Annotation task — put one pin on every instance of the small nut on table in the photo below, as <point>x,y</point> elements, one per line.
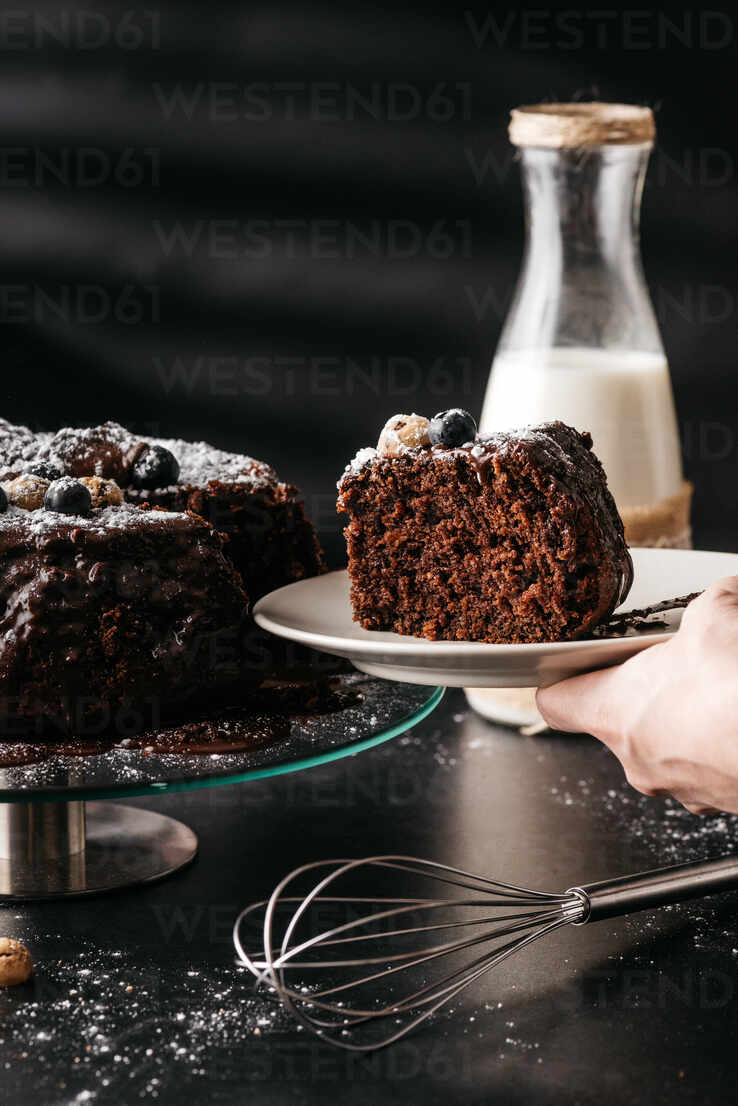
<point>15,962</point>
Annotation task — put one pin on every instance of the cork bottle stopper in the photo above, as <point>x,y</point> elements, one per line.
<point>573,125</point>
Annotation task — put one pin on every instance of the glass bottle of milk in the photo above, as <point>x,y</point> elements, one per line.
<point>581,342</point>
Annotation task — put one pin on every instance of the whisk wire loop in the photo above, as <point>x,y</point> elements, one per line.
<point>525,916</point>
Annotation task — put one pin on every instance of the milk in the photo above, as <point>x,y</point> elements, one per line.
<point>623,398</point>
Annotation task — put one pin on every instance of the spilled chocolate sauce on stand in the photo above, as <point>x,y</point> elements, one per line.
<point>265,720</point>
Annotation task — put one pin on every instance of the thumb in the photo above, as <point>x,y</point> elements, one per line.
<point>582,704</point>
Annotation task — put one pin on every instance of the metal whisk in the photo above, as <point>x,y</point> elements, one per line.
<point>387,963</point>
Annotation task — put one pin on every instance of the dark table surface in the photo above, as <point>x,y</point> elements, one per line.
<point>136,996</point>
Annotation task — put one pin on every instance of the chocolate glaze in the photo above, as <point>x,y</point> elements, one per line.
<point>103,614</point>
<point>639,619</point>
<point>264,719</point>
<point>551,445</point>
<point>226,735</point>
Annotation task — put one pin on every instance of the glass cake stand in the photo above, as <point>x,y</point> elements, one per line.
<point>58,839</point>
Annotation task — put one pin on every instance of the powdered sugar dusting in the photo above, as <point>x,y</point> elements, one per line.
<point>200,463</point>
<point>18,445</point>
<point>119,1027</point>
<point>498,441</point>
<point>96,443</point>
<point>483,444</point>
<point>364,457</point>
<point>37,525</point>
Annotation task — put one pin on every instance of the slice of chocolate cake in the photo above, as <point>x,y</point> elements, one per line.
<point>110,616</point>
<point>504,538</point>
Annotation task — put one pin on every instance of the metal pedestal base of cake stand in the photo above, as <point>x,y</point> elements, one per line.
<point>60,837</point>
<point>52,850</point>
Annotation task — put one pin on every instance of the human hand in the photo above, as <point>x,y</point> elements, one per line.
<point>670,713</point>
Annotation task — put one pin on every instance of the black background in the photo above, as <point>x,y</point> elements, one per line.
<point>349,215</point>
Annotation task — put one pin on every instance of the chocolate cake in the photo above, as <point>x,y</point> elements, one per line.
<point>109,618</point>
<point>508,537</point>
<point>233,525</point>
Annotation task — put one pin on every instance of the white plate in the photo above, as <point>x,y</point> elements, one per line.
<point>317,612</point>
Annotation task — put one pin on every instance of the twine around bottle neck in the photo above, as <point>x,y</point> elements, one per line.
<point>581,125</point>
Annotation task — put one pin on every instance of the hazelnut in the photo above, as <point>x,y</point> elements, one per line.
<point>15,962</point>
<point>27,491</point>
<point>403,432</point>
<point>104,493</point>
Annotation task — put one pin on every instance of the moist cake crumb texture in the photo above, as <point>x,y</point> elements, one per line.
<point>509,537</point>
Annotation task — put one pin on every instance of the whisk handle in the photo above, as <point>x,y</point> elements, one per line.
<point>610,898</point>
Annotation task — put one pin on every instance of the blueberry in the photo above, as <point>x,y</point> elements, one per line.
<point>156,468</point>
<point>68,497</point>
<point>45,469</point>
<point>3,501</point>
<point>451,428</point>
